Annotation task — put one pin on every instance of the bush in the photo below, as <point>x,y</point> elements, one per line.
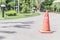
<point>11,13</point>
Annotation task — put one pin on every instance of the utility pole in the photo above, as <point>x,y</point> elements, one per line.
<point>14,4</point>
<point>18,6</point>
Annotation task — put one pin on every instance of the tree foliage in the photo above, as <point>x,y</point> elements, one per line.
<point>25,5</point>
<point>47,4</point>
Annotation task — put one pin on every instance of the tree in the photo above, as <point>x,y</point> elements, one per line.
<point>47,4</point>
<point>27,5</point>
<point>38,3</point>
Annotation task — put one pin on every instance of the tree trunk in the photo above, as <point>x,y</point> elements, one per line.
<point>38,3</point>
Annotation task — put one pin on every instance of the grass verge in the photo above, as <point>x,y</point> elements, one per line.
<point>21,15</point>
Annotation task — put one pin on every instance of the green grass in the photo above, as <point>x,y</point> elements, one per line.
<point>21,15</point>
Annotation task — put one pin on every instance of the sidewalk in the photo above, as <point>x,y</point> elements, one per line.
<point>31,29</point>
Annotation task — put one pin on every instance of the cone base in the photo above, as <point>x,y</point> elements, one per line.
<point>46,31</point>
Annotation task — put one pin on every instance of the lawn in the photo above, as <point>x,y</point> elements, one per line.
<point>20,15</point>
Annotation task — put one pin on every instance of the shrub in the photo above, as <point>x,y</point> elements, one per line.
<point>11,13</point>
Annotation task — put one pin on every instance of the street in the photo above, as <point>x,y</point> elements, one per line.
<point>29,28</point>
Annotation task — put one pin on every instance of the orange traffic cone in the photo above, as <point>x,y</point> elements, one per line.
<point>46,25</point>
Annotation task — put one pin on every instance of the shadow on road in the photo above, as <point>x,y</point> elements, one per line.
<point>9,32</point>
<point>31,22</point>
<point>2,37</point>
<point>22,26</point>
<point>28,22</point>
<point>17,26</point>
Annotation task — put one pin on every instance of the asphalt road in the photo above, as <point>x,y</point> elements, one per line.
<point>29,28</point>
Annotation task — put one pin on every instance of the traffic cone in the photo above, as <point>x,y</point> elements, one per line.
<point>46,24</point>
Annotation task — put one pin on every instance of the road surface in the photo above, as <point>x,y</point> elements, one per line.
<point>29,28</point>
